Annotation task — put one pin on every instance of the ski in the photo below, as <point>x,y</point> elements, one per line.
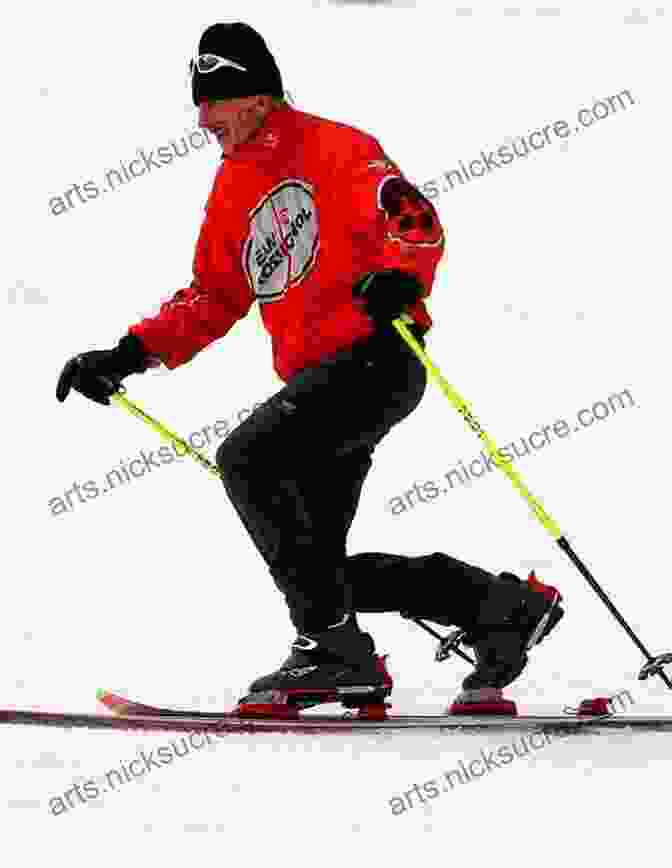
<point>126,714</point>
<point>173,720</point>
<point>233,721</point>
<point>70,720</point>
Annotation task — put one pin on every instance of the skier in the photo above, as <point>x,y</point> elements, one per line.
<point>313,220</point>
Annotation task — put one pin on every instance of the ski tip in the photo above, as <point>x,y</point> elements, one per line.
<point>106,697</point>
<point>111,701</point>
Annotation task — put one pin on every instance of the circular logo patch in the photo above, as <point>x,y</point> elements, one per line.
<point>282,242</point>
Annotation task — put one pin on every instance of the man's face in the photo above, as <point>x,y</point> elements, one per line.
<point>233,121</point>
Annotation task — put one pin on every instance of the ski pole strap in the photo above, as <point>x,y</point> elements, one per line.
<point>458,402</point>
<point>122,401</point>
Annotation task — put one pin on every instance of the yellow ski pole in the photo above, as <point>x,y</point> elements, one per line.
<point>654,665</point>
<point>121,400</point>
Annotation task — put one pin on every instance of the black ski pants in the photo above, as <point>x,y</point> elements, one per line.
<point>294,471</point>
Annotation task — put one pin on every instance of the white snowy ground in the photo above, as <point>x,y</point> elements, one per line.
<point>554,298</point>
<point>593,798</point>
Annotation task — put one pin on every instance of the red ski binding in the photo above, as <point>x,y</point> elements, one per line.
<point>485,709</point>
<point>286,704</point>
<point>595,707</point>
<point>375,711</point>
<point>276,710</point>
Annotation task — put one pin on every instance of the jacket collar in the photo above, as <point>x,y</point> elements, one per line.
<point>276,134</point>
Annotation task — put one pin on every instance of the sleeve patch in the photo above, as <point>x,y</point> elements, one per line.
<point>411,217</point>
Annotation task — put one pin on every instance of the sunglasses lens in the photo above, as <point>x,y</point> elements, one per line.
<point>207,62</point>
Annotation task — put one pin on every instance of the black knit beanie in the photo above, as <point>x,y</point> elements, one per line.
<point>243,46</point>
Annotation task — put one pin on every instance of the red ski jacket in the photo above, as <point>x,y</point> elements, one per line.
<point>301,211</point>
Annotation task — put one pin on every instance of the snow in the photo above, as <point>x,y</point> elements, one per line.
<point>553,298</point>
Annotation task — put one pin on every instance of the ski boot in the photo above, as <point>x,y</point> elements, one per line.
<point>501,647</point>
<point>335,665</point>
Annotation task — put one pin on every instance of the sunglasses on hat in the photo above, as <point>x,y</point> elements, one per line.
<point>206,63</point>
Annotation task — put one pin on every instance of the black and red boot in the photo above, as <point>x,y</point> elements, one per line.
<point>338,664</point>
<point>501,645</point>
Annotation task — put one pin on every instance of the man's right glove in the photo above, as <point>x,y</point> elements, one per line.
<point>97,374</point>
<point>388,293</point>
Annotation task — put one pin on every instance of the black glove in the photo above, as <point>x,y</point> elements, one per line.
<point>387,293</point>
<point>98,373</point>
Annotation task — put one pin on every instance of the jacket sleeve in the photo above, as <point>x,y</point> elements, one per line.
<point>199,314</point>
<point>389,214</point>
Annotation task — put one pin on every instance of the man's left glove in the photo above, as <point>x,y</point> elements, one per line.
<point>98,373</point>
<point>386,294</point>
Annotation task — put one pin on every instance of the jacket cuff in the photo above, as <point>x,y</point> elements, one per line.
<point>132,356</point>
